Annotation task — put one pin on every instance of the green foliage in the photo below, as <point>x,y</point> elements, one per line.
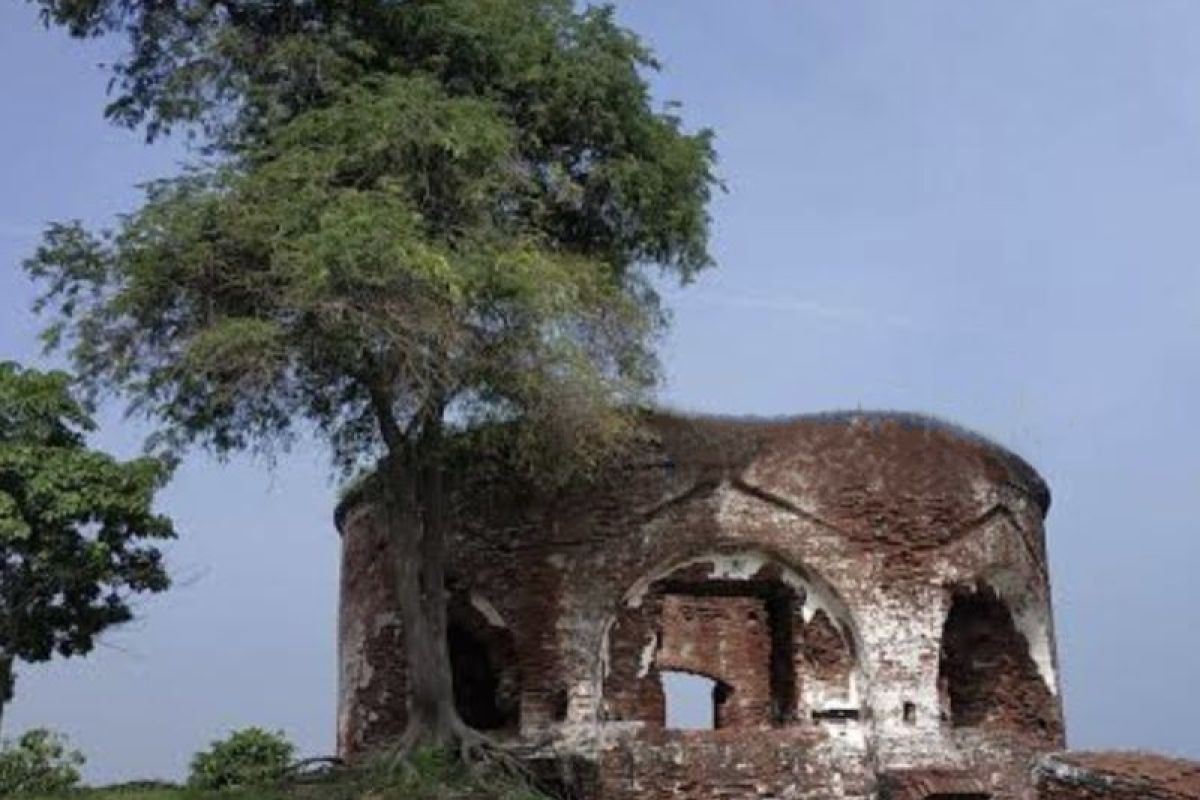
<point>248,757</point>
<point>414,218</point>
<point>77,528</point>
<point>448,224</point>
<point>38,763</point>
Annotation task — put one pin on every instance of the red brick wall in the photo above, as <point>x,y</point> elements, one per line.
<point>727,639</point>
<point>1117,776</point>
<point>675,559</point>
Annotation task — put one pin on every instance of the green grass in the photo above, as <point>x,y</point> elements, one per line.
<point>157,793</point>
<point>424,776</point>
<point>165,792</point>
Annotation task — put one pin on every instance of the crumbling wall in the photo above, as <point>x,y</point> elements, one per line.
<point>807,565</point>
<point>934,784</point>
<point>986,673</point>
<point>798,763</point>
<point>740,618</point>
<point>372,687</point>
<point>1116,776</point>
<point>633,690</point>
<point>728,640</point>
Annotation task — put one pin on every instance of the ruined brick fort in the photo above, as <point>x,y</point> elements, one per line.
<point>868,595</point>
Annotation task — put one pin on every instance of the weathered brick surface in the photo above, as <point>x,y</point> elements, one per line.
<point>920,784</point>
<point>727,639</point>
<point>693,765</point>
<point>1116,776</point>
<point>371,680</point>
<point>810,564</point>
<point>987,674</point>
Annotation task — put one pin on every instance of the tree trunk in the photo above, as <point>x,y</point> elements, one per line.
<point>7,682</point>
<point>417,523</point>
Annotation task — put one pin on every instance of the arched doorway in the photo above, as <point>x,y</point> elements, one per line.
<point>986,674</point>
<point>483,663</point>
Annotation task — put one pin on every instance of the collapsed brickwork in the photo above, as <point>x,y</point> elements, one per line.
<point>868,595</point>
<point>1116,776</point>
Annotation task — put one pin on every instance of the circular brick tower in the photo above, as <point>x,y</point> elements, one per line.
<point>863,598</point>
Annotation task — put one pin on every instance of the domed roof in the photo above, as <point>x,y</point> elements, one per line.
<point>880,478</point>
<point>874,475</point>
<point>905,447</point>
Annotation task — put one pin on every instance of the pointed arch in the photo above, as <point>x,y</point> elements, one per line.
<point>778,638</point>
<point>987,676</point>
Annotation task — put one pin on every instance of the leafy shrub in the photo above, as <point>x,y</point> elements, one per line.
<point>249,757</point>
<point>40,763</point>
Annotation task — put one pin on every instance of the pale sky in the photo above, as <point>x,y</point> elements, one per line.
<point>986,211</point>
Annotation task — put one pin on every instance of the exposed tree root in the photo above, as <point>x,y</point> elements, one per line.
<point>476,751</point>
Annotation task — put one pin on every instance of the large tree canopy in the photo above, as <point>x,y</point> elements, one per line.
<point>77,529</point>
<point>412,217</point>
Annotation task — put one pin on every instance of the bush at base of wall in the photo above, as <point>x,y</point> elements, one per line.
<point>249,757</point>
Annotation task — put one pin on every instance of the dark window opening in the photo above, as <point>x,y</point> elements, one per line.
<point>986,674</point>
<point>483,671</point>
<point>781,602</point>
<point>693,702</point>
<point>910,713</point>
<point>560,704</point>
<point>970,657</point>
<point>835,714</point>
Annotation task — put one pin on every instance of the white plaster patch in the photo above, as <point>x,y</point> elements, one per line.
<point>1031,620</point>
<point>646,660</point>
<point>489,612</point>
<point>1070,773</point>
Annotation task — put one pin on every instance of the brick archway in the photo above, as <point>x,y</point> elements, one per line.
<point>776,637</point>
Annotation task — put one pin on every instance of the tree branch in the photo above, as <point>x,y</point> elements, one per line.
<point>385,416</point>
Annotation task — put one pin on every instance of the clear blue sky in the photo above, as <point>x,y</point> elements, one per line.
<point>987,211</point>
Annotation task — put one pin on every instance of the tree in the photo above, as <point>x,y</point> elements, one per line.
<point>77,530</point>
<point>414,220</point>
